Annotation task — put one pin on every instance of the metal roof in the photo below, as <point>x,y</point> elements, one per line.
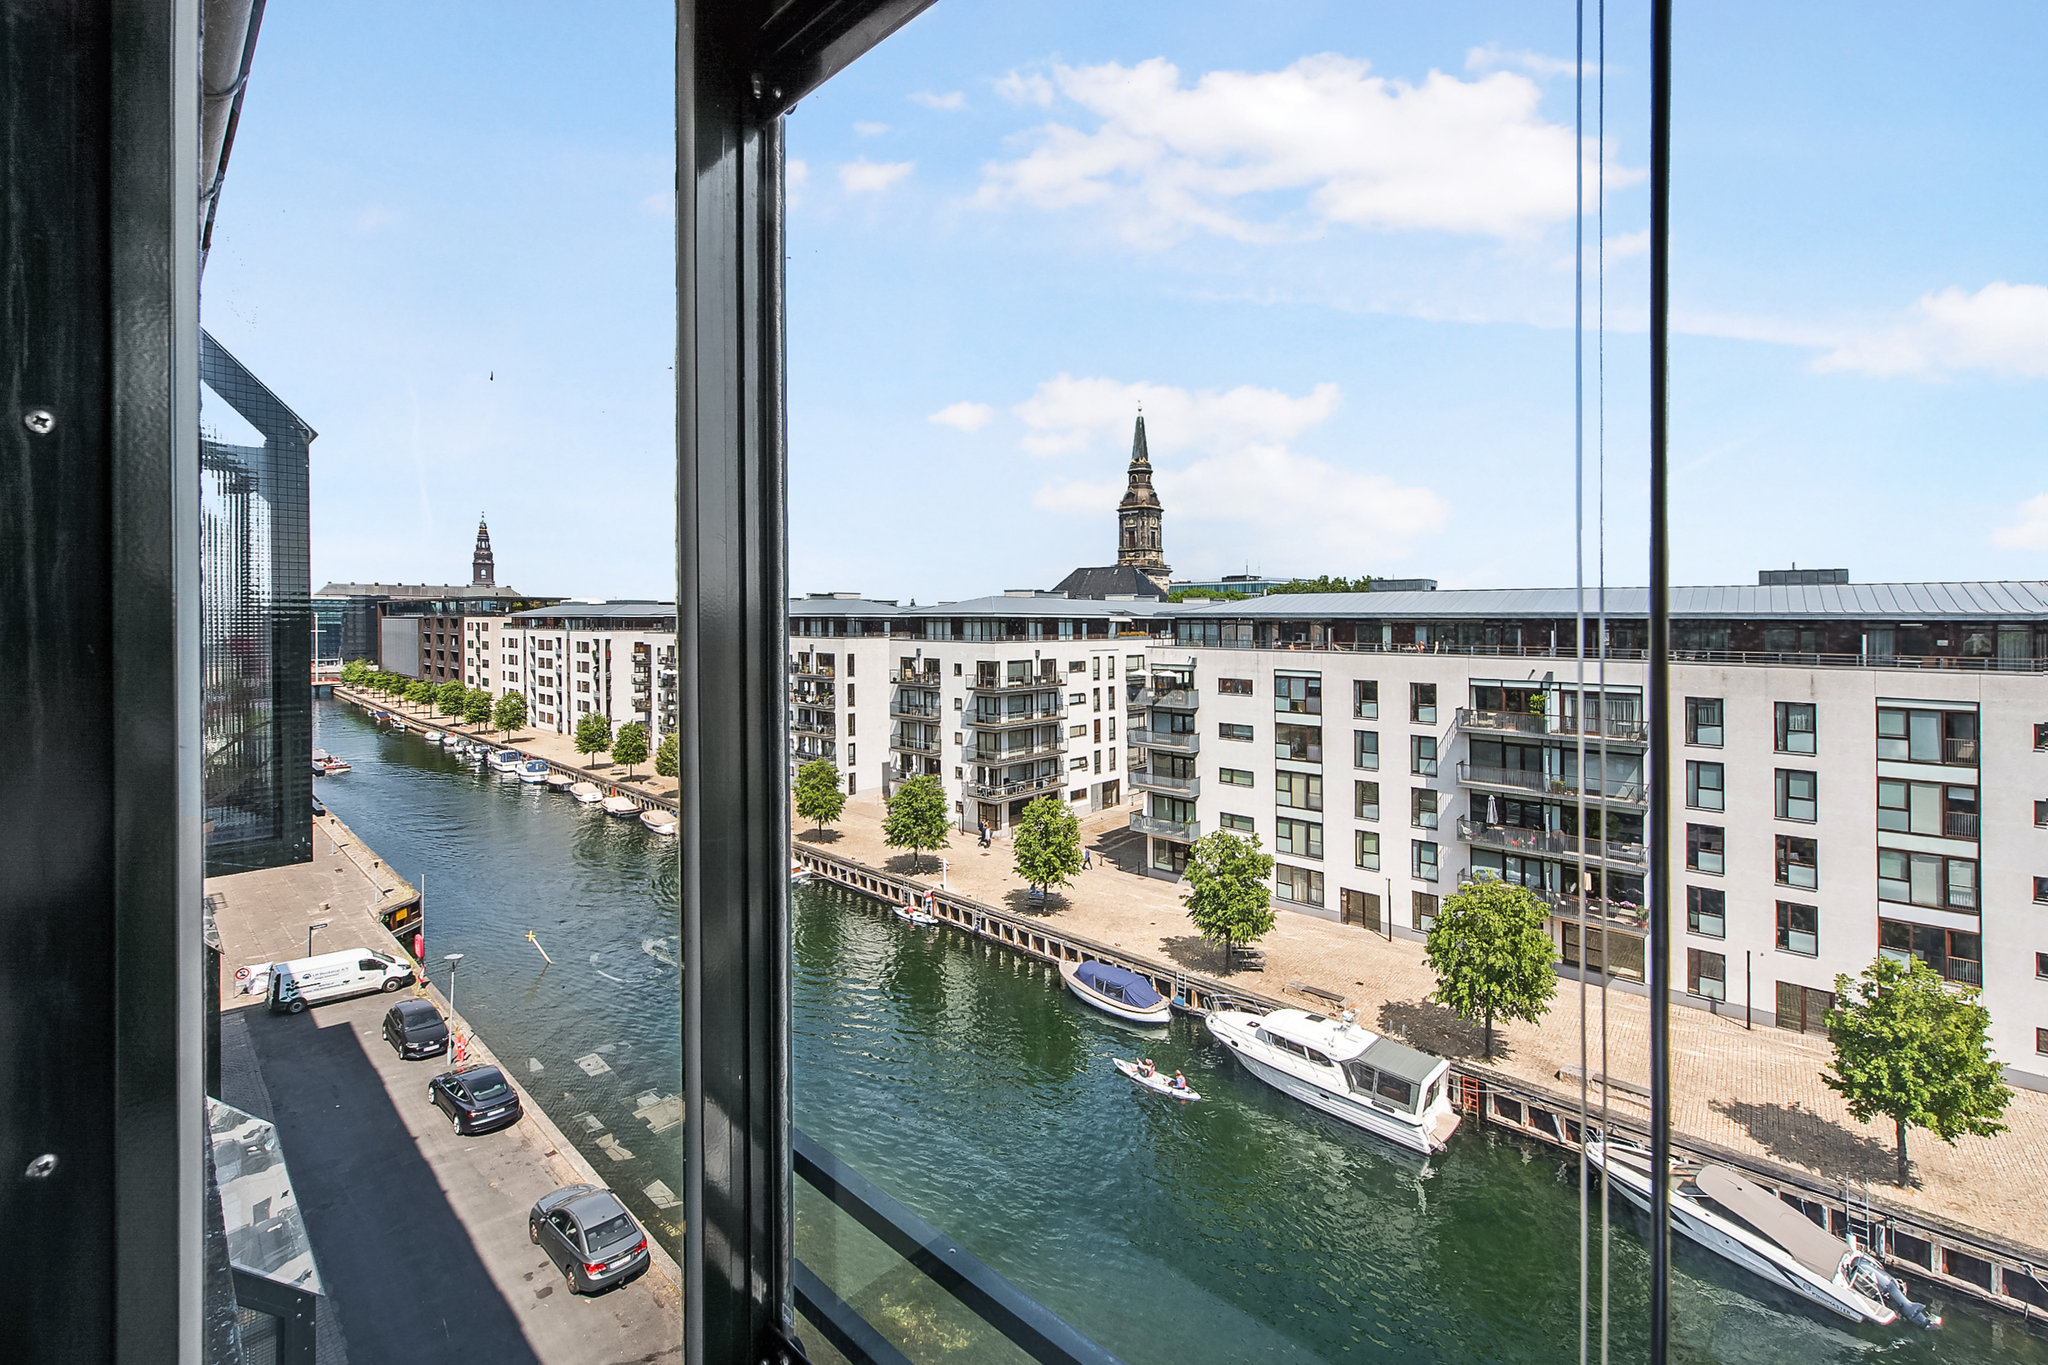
<point>1040,605</point>
<point>589,611</point>
<point>1804,602</point>
<point>841,606</point>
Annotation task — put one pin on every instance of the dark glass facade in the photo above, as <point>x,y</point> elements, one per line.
<point>256,627</point>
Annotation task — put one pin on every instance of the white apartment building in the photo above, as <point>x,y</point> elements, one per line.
<point>617,659</point>
<point>1005,698</point>
<point>1854,769</point>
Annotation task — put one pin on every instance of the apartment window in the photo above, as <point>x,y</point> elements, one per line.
<point>1422,808</point>
<point>1360,908</point>
<point>1298,696</point>
<point>1098,668</point>
<point>1234,687</point>
<point>1798,929</point>
<point>2041,1041</point>
<point>1957,956</point>
<point>1112,729</point>
<point>1798,862</point>
<point>1798,795</point>
<point>1796,724</point>
<point>2041,814</point>
<point>1703,786</point>
<point>1298,838</point>
<point>1422,755</point>
<point>1301,885</point>
<point>1077,731</point>
<point>583,687</point>
<point>1367,850</point>
<point>1168,856</point>
<point>1422,905</point>
<point>1098,731</point>
<point>1301,791</point>
<point>850,719</point>
<point>2041,965</point>
<point>1925,736</point>
<point>1703,721</point>
<point>1242,824</point>
<point>1422,703</point>
<point>1366,800</point>
<point>1134,663</point>
<point>1098,699</point>
<point>1226,730</point>
<point>1706,974</point>
<point>1423,860</point>
<point>1234,777</point>
<point>1365,700</point>
<point>1365,749</point>
<point>1078,765</point>
<point>1706,911</point>
<point>1077,699</point>
<point>1298,743</point>
<point>1112,668</point>
<point>1929,879</point>
<point>1704,848</point>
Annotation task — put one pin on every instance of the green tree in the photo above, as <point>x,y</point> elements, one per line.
<point>1047,843</point>
<point>476,707</point>
<point>450,697</point>
<point>1491,951</point>
<point>1206,595</point>
<point>917,818</point>
<point>629,746</point>
<point>510,712</point>
<point>1230,890</point>
<point>1322,583</point>
<point>593,734</point>
<point>355,672</point>
<point>818,797</point>
<point>420,693</point>
<point>666,761</point>
<point>1909,1047</point>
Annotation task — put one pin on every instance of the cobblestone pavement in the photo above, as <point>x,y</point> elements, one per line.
<point>1752,1091</point>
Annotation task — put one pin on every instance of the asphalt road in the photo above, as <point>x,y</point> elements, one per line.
<point>420,1235</point>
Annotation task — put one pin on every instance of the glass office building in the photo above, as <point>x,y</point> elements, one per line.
<point>255,625</point>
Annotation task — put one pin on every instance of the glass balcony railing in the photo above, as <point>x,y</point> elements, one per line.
<point>1017,754</point>
<point>991,719</point>
<point>1625,729</point>
<point>1548,843</point>
<point>983,682</point>
<point>1549,784</point>
<point>1145,780</point>
<point>1186,831</point>
<point>1007,790</point>
<point>1167,698</point>
<point>1180,741</point>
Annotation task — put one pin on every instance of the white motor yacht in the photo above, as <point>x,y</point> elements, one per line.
<point>1743,1222</point>
<point>507,761</point>
<point>1348,1072</point>
<point>534,771</point>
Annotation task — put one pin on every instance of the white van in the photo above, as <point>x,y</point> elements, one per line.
<point>334,976</point>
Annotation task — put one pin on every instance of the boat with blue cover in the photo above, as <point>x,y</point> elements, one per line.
<point>1116,990</point>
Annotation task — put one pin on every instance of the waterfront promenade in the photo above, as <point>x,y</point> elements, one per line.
<point>1755,1092</point>
<point>557,749</point>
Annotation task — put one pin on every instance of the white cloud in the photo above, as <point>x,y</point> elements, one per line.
<point>870,177</point>
<point>661,204</point>
<point>963,416</point>
<point>373,216</point>
<point>2030,532</point>
<point>866,129</point>
<point>951,101</point>
<point>1628,244</point>
<point>1025,89</point>
<point>1493,57</point>
<point>2002,328</point>
<point>1472,157</point>
<point>795,175</point>
<point>1068,414</point>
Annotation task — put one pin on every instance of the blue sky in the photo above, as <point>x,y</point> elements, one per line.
<point>1328,246</point>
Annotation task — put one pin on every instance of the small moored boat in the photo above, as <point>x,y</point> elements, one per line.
<point>534,771</point>
<point>798,873</point>
<point>560,782</point>
<point>1116,990</point>
<point>506,761</point>
<point>625,807</point>
<point>658,820</point>
<point>1152,1080</point>
<point>922,911</point>
<point>1743,1222</point>
<point>1350,1073</point>
<point>586,792</point>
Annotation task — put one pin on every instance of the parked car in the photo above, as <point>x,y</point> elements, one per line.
<point>414,1028</point>
<point>589,1236</point>
<point>476,1099</point>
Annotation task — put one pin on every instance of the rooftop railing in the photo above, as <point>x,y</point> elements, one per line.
<point>1757,657</point>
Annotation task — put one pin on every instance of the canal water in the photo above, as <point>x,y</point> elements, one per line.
<point>962,1080</point>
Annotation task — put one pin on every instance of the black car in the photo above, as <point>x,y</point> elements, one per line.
<point>414,1028</point>
<point>589,1236</point>
<point>476,1099</point>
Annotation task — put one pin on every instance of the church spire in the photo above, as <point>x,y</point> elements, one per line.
<point>483,565</point>
<point>1139,515</point>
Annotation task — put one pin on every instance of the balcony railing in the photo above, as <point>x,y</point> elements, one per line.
<point>1962,752</point>
<point>1167,698</point>
<point>1524,723</point>
<point>911,677</point>
<point>905,709</point>
<point>996,757</point>
<point>1002,791</point>
<point>1184,831</point>
<point>983,682</point>
<point>1547,784</point>
<point>804,696</point>
<point>812,670</point>
<point>1145,780</point>
<point>913,744</point>
<point>1002,720</point>
<point>1548,843</point>
<point>1631,914</point>
<point>1180,741</point>
<point>812,725</point>
<point>1959,824</point>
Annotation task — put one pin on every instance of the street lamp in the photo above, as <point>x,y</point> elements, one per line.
<point>451,959</point>
<point>309,935</point>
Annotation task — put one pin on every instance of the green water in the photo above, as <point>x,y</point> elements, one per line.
<point>965,1082</point>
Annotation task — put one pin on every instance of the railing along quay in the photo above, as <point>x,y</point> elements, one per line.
<point>1975,1264</point>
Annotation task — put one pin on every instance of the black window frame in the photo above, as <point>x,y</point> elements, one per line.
<point>1785,734</point>
<point>1699,791</point>
<point>1696,726</point>
<point>1790,916</point>
<point>1786,804</point>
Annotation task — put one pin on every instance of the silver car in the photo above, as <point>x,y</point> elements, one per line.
<point>589,1236</point>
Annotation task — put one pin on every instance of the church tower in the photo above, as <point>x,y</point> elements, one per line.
<point>483,566</point>
<point>1138,516</point>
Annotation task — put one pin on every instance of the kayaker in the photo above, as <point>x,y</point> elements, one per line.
<point>1179,1082</point>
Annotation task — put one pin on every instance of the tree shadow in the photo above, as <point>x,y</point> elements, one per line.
<point>1123,851</point>
<point>1020,901</point>
<point>1799,1136</point>
<point>1434,1028</point>
<point>1199,954</point>
<point>820,836</point>
<point>913,864</point>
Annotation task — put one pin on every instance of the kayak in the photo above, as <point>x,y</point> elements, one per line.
<point>1155,1082</point>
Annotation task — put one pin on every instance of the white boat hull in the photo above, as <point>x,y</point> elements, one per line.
<point>1339,1106</point>
<point>1155,1014</point>
<point>1158,1084</point>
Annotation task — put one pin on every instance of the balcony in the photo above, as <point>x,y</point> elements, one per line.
<point>910,677</point>
<point>1043,682</point>
<point>910,743</point>
<point>1524,723</point>
<point>1003,720</point>
<point>1960,752</point>
<point>1003,791</point>
<point>797,670</point>
<point>1166,698</point>
<point>1545,784</point>
<point>1958,824</point>
<point>802,696</point>
<point>1145,780</point>
<point>1628,914</point>
<point>815,748</point>
<point>1179,741</point>
<point>1051,748</point>
<point>814,725</point>
<point>903,708</point>
<point>1549,843</point>
<point>1183,832</point>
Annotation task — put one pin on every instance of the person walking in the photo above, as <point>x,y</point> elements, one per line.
<point>1087,858</point>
